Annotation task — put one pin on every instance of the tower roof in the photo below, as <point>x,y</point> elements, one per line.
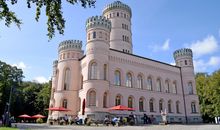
<point>98,21</point>
<point>183,52</point>
<point>117,5</point>
<point>70,45</point>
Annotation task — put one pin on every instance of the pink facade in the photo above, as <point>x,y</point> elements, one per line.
<point>108,74</point>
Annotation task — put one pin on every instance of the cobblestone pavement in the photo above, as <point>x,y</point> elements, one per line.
<point>24,126</point>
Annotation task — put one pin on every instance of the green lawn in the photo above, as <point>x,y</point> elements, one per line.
<point>8,128</point>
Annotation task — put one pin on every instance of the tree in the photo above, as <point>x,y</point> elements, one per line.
<point>55,20</point>
<point>208,90</point>
<point>10,77</point>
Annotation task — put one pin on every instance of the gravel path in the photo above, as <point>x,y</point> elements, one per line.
<point>24,126</point>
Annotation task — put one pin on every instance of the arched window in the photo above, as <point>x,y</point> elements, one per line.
<point>67,79</point>
<point>167,86</point>
<point>118,100</point>
<point>190,87</point>
<point>117,78</point>
<point>151,105</point>
<point>129,80</point>
<point>130,102</point>
<point>93,71</point>
<point>193,107</point>
<point>94,35</point>
<point>158,85</point>
<point>161,105</point>
<point>105,71</point>
<point>117,14</point>
<point>64,103</point>
<point>169,106</point>
<point>105,100</point>
<point>149,84</point>
<point>88,36</point>
<point>92,98</point>
<point>177,107</point>
<point>141,104</point>
<point>140,82</point>
<point>174,87</point>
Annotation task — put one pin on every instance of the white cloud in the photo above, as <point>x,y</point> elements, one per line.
<point>164,47</point>
<point>206,46</point>
<point>173,63</point>
<point>41,79</point>
<point>20,65</point>
<point>202,65</point>
<point>214,61</point>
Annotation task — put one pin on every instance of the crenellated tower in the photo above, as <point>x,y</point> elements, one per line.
<point>120,16</point>
<point>184,59</point>
<point>66,77</point>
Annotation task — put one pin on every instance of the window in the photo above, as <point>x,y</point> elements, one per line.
<point>177,107</point>
<point>124,15</point>
<point>94,35</point>
<point>92,98</point>
<point>118,100</point>
<point>140,82</point>
<point>141,104</point>
<point>67,79</point>
<point>89,36</point>
<point>190,87</point>
<point>149,83</point>
<point>169,106</point>
<point>81,82</point>
<point>158,85</point>
<point>100,34</point>
<point>185,62</point>
<point>174,87</point>
<point>105,100</point>
<point>65,103</point>
<point>117,78</point>
<point>117,14</point>
<point>161,105</point>
<point>193,107</point>
<point>123,37</point>
<point>167,90</point>
<point>93,71</point>
<point>130,102</point>
<point>151,105</point>
<point>105,71</point>
<point>129,80</point>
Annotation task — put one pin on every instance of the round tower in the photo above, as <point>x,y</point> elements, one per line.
<point>68,76</point>
<point>184,59</point>
<point>98,32</point>
<point>120,16</point>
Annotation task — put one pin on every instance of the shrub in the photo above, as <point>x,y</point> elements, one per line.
<point>39,120</point>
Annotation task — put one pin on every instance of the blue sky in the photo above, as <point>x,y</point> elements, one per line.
<point>159,27</point>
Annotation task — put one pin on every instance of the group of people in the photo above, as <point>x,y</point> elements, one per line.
<point>148,120</point>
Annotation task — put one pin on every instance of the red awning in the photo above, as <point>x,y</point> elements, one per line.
<point>38,116</point>
<point>24,116</point>
<point>121,107</point>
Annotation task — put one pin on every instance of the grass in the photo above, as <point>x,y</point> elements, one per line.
<point>8,128</point>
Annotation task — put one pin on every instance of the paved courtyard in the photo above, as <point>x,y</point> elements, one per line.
<point>24,126</point>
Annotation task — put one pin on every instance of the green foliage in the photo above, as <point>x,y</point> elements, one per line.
<point>8,128</point>
<point>10,81</point>
<point>55,20</point>
<point>27,97</point>
<point>208,90</point>
<point>39,120</point>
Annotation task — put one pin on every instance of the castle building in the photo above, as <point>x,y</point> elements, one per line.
<point>109,74</point>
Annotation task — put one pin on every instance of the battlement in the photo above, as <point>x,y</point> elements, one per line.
<point>98,21</point>
<point>70,45</point>
<point>55,62</point>
<point>117,5</point>
<point>183,52</point>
